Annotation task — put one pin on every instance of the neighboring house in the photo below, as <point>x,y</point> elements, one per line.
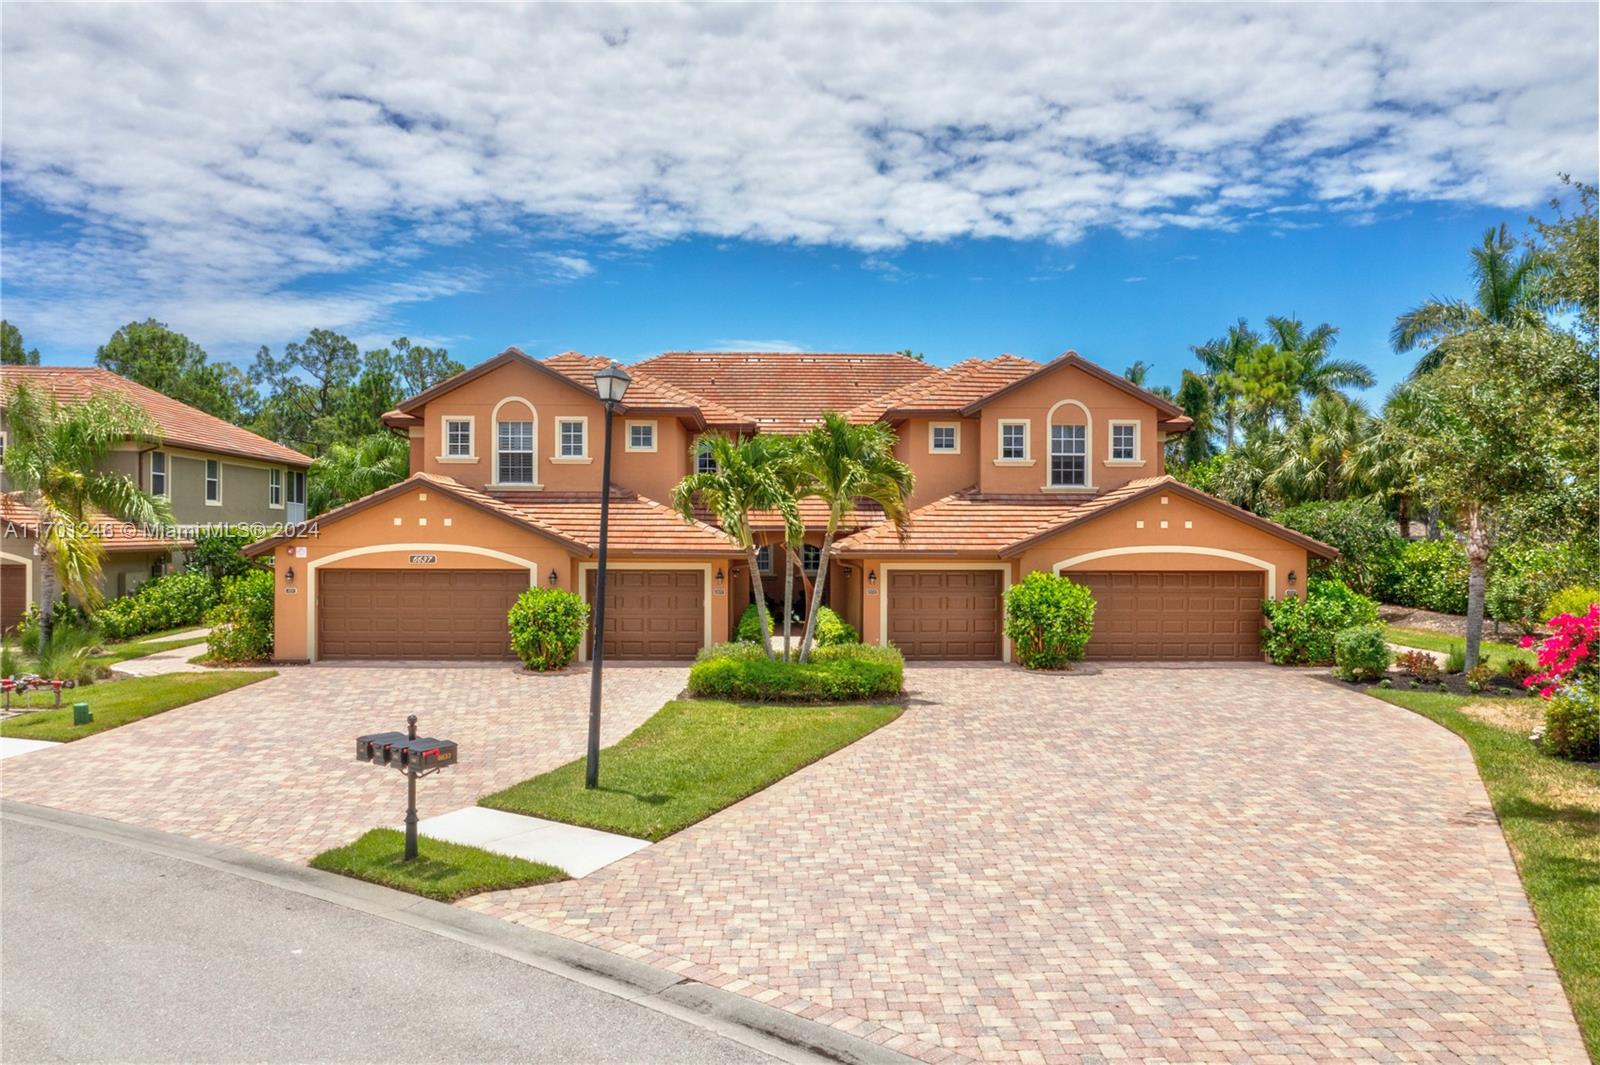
<point>1020,466</point>
<point>211,472</point>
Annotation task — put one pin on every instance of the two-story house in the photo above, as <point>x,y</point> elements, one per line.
<point>210,471</point>
<point>1020,466</point>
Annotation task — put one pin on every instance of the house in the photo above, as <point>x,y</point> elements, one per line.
<point>1020,466</point>
<point>211,472</point>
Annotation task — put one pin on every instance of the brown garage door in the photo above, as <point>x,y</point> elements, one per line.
<point>1175,615</point>
<point>945,613</point>
<point>652,613</point>
<point>13,594</point>
<point>416,613</point>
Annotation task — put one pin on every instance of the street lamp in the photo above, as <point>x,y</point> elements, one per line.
<point>612,384</point>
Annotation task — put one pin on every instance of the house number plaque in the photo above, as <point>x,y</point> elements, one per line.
<point>424,560</point>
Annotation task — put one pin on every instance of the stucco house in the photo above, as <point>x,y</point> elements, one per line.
<point>211,472</point>
<point>1020,466</point>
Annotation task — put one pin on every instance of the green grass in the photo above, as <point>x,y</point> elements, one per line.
<point>117,702</point>
<point>1497,655</point>
<point>442,871</point>
<point>113,653</point>
<point>1549,810</point>
<point>693,758</point>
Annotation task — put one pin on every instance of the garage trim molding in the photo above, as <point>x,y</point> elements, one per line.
<point>27,573</point>
<point>883,594</point>
<point>586,568</point>
<point>1218,552</point>
<point>312,565</point>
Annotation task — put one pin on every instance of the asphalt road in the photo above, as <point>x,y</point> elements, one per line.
<point>109,953</point>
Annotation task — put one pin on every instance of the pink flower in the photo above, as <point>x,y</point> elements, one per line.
<point>1527,641</point>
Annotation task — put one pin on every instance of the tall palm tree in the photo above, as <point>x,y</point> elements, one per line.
<point>347,472</point>
<point>1318,456</point>
<point>1221,358</point>
<point>1505,292</point>
<point>1137,372</point>
<point>845,464</point>
<point>1319,374</point>
<point>745,477</point>
<point>784,454</point>
<point>1389,459</point>
<point>53,454</point>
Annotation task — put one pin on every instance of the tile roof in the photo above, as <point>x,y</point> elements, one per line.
<point>114,535</point>
<point>948,390</point>
<point>638,525</point>
<point>181,425</point>
<point>1072,359</point>
<point>782,392</point>
<point>647,393</point>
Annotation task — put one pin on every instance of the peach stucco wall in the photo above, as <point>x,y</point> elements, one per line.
<point>1034,402</point>
<point>938,475</point>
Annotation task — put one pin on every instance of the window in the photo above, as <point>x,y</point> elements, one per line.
<point>213,481</point>
<point>158,473</point>
<point>297,486</point>
<point>811,558</point>
<point>1013,440</point>
<point>1124,441</point>
<point>274,488</point>
<point>516,453</point>
<point>703,460</point>
<point>1068,458</point>
<point>944,439</point>
<point>570,438</point>
<point>641,436</point>
<point>458,438</point>
<point>764,561</point>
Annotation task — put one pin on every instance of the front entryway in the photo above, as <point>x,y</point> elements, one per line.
<point>652,613</point>
<point>950,614</point>
<point>416,613</point>
<point>1165,616</point>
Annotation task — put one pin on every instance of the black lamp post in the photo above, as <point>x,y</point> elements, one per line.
<point>612,384</point>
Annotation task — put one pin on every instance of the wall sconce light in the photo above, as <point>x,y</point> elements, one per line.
<point>553,578</point>
<point>872,578</point>
<point>288,575</point>
<point>720,577</point>
<point>1292,578</point>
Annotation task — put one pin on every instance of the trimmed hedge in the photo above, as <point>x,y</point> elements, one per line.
<point>1049,620</point>
<point>832,630</point>
<point>162,603</point>
<point>1301,631</point>
<point>241,624</point>
<point>547,624</point>
<point>845,673</point>
<point>749,628</point>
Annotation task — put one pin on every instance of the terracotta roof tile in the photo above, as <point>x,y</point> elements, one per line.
<point>647,392</point>
<point>181,425</point>
<point>639,526</point>
<point>114,535</point>
<point>947,391</point>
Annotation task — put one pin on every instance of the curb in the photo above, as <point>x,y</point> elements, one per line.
<point>736,1017</point>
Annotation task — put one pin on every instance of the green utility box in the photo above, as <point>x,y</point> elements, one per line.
<point>80,714</point>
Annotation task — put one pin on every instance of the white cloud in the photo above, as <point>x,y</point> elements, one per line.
<point>231,161</point>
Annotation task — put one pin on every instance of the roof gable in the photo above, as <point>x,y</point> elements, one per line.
<point>1072,359</point>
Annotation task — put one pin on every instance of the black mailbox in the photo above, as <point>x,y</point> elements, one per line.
<point>413,756</point>
<point>378,747</point>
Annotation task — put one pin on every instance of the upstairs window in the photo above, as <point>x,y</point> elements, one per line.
<point>944,439</point>
<point>516,453</point>
<point>641,436</point>
<point>704,462</point>
<point>297,487</point>
<point>1014,440</point>
<point>572,440</point>
<point>458,438</point>
<point>213,481</point>
<point>274,488</point>
<point>811,559</point>
<point>1124,442</point>
<point>1069,467</point>
<point>158,473</point>
<point>764,561</point>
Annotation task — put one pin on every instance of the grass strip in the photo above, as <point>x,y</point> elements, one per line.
<point>442,871</point>
<point>1497,655</point>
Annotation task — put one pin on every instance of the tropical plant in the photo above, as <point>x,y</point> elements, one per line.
<point>68,654</point>
<point>1572,721</point>
<point>1361,653</point>
<point>1575,599</point>
<point>218,553</point>
<point>53,456</point>
<point>1317,374</point>
<point>1571,653</point>
<point>547,625</point>
<point>1194,397</point>
<point>1049,620</point>
<point>1301,631</point>
<point>241,623</point>
<point>347,472</point>
<point>163,603</point>
<point>843,465</point>
<point>744,478</point>
<point>1363,533</point>
<point>1570,247</point>
<point>1388,459</point>
<point>1523,577</point>
<point>834,674</point>
<point>1137,372</point>
<point>1317,457</point>
<point>1428,575</point>
<point>1242,474</point>
<point>749,628</point>
<point>1221,358</point>
<point>833,630</point>
<point>1420,665</point>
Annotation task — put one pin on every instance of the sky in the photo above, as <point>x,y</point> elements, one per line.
<point>1119,180</point>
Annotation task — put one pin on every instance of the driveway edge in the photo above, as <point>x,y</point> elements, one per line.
<point>737,1017</point>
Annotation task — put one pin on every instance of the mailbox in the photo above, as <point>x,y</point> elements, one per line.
<point>378,747</point>
<point>413,756</point>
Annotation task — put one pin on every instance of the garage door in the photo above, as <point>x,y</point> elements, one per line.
<point>1175,615</point>
<point>945,613</point>
<point>13,594</point>
<point>652,613</point>
<point>416,613</point>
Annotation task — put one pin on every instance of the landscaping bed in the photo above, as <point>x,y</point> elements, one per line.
<point>693,758</point>
<point>119,702</point>
<point>442,871</point>
<point>847,672</point>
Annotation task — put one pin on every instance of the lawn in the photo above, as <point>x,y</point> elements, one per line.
<point>112,653</point>
<point>693,758</point>
<point>118,702</point>
<point>1549,810</point>
<point>442,871</point>
<point>1496,654</point>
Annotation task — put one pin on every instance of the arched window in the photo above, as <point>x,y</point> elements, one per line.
<point>515,448</point>
<point>1070,429</point>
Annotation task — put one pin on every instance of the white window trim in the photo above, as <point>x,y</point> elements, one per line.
<point>698,453</point>
<point>764,555</point>
<point>166,475</point>
<point>1088,448</point>
<point>932,426</point>
<point>804,548</point>
<point>576,460</point>
<point>205,481</point>
<point>1138,443</point>
<point>275,481</point>
<point>494,445</point>
<point>627,437</point>
<point>1027,442</point>
<point>472,438</point>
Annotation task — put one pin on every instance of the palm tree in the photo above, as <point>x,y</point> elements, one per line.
<point>784,456</point>
<point>1242,474</point>
<point>844,464</point>
<point>1389,458</point>
<point>1318,456</point>
<point>347,472</point>
<point>1221,358</point>
<point>52,457</point>
<point>1137,372</point>
<point>1319,373</point>
<point>745,477</point>
<point>1505,292</point>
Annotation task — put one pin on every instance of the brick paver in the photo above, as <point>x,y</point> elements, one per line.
<point>1240,864</point>
<point>271,767</point>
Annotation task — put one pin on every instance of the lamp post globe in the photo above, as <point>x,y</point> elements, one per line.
<point>611,384</point>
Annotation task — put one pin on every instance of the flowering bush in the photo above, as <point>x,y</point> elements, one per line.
<point>1572,722</point>
<point>1568,656</point>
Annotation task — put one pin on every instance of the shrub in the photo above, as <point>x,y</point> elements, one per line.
<point>1366,537</point>
<point>1519,671</point>
<point>27,627</point>
<point>241,624</point>
<point>1361,653</point>
<point>1575,599</point>
<point>217,553</point>
<point>1420,665</point>
<point>1479,676</point>
<point>1569,655</point>
<point>547,625</point>
<point>163,603</point>
<point>1302,631</point>
<point>833,630</point>
<point>841,673</point>
<point>749,628</point>
<point>1523,577</point>
<point>1429,575</point>
<point>1572,721</point>
<point>1049,620</point>
<point>68,654</point>
<point>1455,659</point>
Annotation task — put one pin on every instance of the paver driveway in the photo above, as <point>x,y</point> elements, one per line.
<point>271,767</point>
<point>1239,864</point>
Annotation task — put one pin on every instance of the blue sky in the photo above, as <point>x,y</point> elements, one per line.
<point>958,180</point>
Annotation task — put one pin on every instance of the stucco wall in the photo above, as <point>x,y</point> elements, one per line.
<point>938,475</point>
<point>244,490</point>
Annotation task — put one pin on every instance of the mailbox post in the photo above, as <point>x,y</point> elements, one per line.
<point>412,756</point>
